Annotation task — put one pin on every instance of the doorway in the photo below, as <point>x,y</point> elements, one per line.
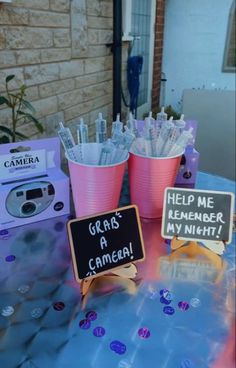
<point>142,29</point>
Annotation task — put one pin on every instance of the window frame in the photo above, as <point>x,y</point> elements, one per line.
<point>226,68</point>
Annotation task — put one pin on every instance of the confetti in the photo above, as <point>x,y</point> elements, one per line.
<point>4,232</point>
<point>84,324</point>
<point>10,258</point>
<point>36,312</point>
<point>184,306</point>
<point>118,347</point>
<point>7,311</point>
<point>162,291</point>
<point>168,310</point>
<point>58,306</point>
<point>91,316</point>
<point>168,295</point>
<point>99,331</point>
<point>23,289</point>
<point>195,302</point>
<point>164,301</point>
<point>144,333</point>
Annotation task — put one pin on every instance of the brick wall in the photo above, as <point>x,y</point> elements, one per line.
<point>158,48</point>
<point>57,48</point>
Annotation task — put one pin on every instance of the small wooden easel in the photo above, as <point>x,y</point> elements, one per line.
<point>123,276</point>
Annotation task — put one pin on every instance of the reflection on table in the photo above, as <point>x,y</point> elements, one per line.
<point>41,324</point>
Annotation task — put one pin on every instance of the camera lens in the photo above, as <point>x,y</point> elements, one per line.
<point>28,208</point>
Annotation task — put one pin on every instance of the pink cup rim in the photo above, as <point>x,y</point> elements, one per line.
<point>97,166</point>
<point>157,158</point>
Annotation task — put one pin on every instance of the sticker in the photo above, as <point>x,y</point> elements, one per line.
<point>118,347</point>
<point>184,306</point>
<point>168,310</point>
<point>58,306</point>
<point>91,316</point>
<point>84,324</point>
<point>36,313</point>
<point>10,258</point>
<point>23,289</point>
<point>22,163</point>
<point>144,333</point>
<point>99,331</point>
<point>7,311</point>
<point>164,301</point>
<point>195,302</point>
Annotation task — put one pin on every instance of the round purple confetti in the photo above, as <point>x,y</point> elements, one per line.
<point>99,331</point>
<point>168,295</point>
<point>162,291</point>
<point>183,306</point>
<point>164,301</point>
<point>10,258</point>
<point>144,333</point>
<point>168,310</point>
<point>118,347</point>
<point>84,324</point>
<point>91,316</point>
<point>58,306</point>
<point>3,232</point>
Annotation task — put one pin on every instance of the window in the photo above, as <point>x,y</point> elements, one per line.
<point>229,63</point>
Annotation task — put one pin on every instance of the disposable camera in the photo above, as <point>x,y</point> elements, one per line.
<point>30,199</point>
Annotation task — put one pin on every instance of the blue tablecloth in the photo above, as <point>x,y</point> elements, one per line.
<point>41,324</point>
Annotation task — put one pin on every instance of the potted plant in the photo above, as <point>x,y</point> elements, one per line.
<point>21,111</point>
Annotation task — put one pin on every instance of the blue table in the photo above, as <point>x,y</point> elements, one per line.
<point>40,320</point>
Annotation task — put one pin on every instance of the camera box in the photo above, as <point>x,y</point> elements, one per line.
<point>186,177</point>
<point>32,185</point>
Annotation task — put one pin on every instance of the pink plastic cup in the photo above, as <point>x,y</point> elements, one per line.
<point>95,188</point>
<point>148,178</point>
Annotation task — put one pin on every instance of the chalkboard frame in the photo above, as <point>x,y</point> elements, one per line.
<point>72,245</point>
<point>230,231</point>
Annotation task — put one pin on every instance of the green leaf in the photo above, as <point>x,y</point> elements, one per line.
<point>38,125</point>
<point>9,77</point>
<point>4,100</point>
<point>20,135</point>
<point>6,130</point>
<point>28,105</point>
<point>23,88</point>
<point>4,139</point>
<point>36,122</point>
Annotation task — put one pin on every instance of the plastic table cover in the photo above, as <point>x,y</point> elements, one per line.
<point>42,325</point>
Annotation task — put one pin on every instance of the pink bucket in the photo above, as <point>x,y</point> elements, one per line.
<point>148,178</point>
<point>95,188</point>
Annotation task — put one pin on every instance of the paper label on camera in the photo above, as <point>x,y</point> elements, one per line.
<point>22,164</point>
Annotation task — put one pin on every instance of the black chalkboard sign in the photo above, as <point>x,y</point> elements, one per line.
<point>106,241</point>
<point>197,214</point>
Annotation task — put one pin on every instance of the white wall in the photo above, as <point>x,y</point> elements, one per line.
<point>215,113</point>
<point>194,41</point>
